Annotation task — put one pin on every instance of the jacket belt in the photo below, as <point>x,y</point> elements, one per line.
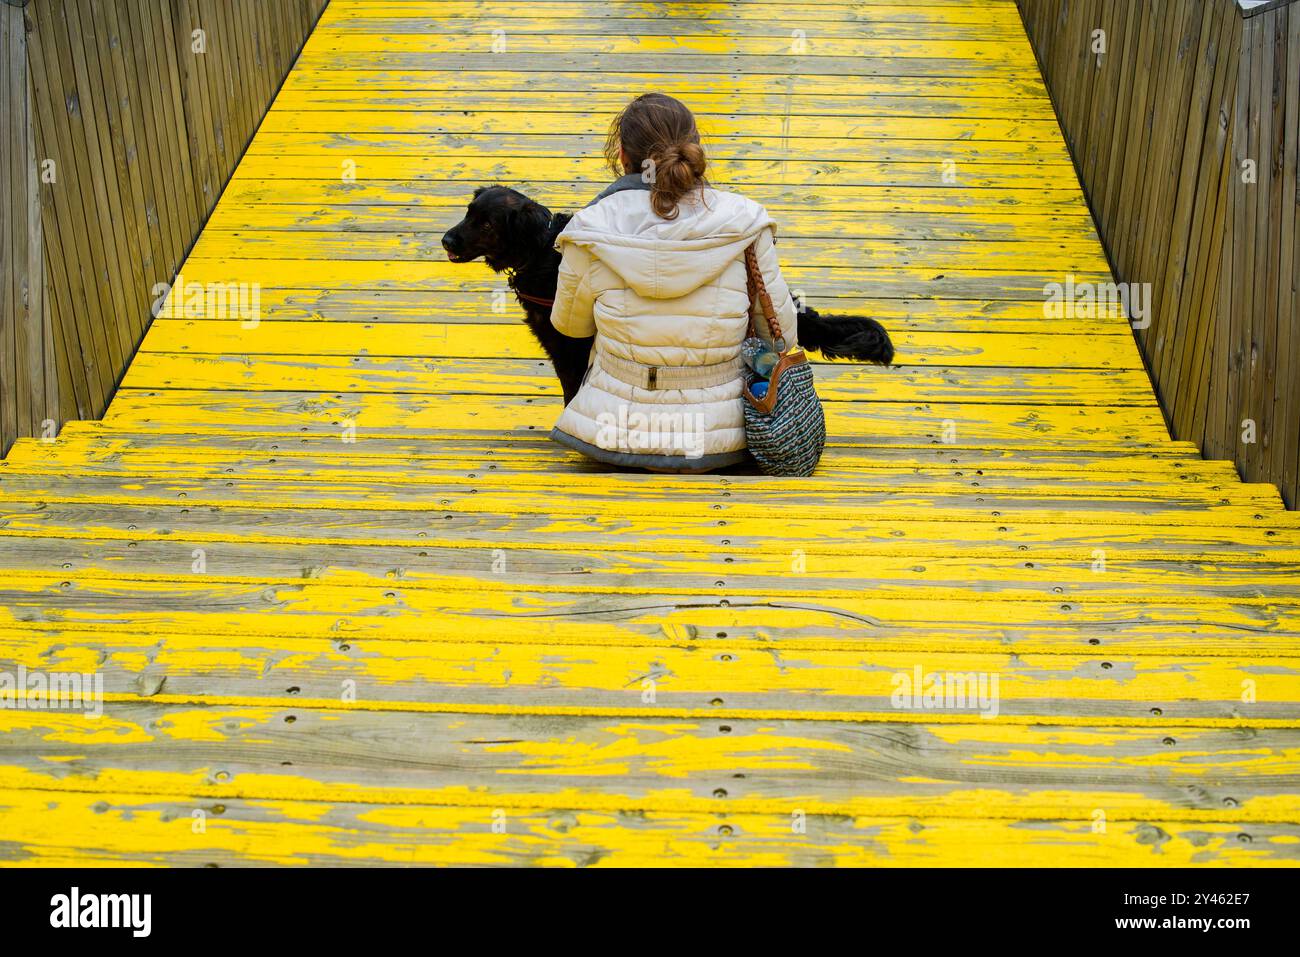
<point>670,377</point>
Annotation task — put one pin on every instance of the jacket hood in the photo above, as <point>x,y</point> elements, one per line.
<point>665,259</point>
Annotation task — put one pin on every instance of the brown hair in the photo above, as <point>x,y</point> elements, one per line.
<point>657,128</point>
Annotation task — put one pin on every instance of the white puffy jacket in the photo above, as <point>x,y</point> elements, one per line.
<point>668,304</point>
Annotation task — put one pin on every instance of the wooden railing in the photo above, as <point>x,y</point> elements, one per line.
<point>1182,117</point>
<point>122,121</point>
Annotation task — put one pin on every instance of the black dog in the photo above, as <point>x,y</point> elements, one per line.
<point>515,235</point>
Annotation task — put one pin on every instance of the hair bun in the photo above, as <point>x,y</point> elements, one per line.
<point>666,155</point>
<point>693,155</point>
<point>689,153</point>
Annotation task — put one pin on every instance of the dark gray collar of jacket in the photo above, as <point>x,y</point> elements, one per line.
<point>627,181</point>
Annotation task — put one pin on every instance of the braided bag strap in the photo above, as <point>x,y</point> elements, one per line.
<point>758,291</point>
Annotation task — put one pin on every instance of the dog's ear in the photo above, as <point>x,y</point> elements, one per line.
<point>530,219</point>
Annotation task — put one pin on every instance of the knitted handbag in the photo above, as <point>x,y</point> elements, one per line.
<point>786,429</point>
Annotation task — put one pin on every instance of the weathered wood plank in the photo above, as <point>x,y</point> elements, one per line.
<point>949,99</point>
<point>456,11</point>
<point>710,679</point>
<point>730,135</point>
<point>532,470</point>
<point>436,213</point>
<point>1083,543</point>
<point>338,49</point>
<point>973,256</point>
<point>728,174</point>
<point>1181,457</point>
<point>734,495</point>
<point>511,340</point>
<point>252,373</point>
<point>118,828</point>
<point>768,572</point>
<point>842,19</point>
<point>228,284</point>
<point>350,613</point>
<point>448,306</point>
<point>576,191</point>
<point>972,772</point>
<point>1017,426</point>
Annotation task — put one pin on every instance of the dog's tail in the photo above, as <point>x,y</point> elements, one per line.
<point>845,337</point>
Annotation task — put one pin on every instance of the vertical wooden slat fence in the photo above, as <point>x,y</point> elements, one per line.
<point>123,120</point>
<point>1257,376</point>
<point>29,397</point>
<point>1182,118</point>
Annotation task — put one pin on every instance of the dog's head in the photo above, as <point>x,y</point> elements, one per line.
<point>502,226</point>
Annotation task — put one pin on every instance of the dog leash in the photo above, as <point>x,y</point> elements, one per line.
<point>548,303</point>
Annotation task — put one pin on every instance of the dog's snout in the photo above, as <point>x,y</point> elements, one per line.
<point>451,242</point>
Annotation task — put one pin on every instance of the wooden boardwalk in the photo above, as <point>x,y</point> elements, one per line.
<point>350,605</point>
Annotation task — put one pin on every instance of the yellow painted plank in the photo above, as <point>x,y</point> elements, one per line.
<point>332,137</point>
<point>880,26</point>
<point>1257,507</point>
<point>727,174</point>
<point>535,377</point>
<point>455,15</point>
<point>928,195</point>
<point>941,11</point>
<point>320,480</point>
<point>868,423</point>
<point>512,340</point>
<point>617,78</point>
<point>352,615</point>
<point>537,461</point>
<point>346,48</point>
<point>851,685</point>
<point>724,134</point>
<point>425,275</point>
<point>783,571</point>
<point>437,212</point>
<point>943,99</point>
<point>1020,256</point>
<point>1086,544</point>
<point>304,303</point>
<point>775,64</point>
<point>121,829</point>
<point>720,683</point>
<point>970,772</point>
<point>474,452</point>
